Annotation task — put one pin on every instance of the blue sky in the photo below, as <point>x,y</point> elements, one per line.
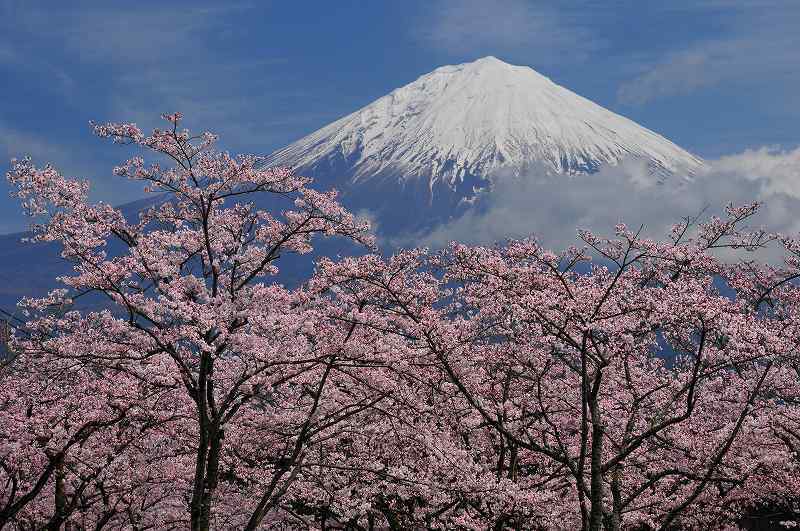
<point>717,77</point>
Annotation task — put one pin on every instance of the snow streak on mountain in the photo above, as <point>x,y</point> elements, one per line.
<point>454,127</point>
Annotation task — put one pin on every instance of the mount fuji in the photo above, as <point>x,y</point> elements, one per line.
<point>441,140</point>
<point>426,152</point>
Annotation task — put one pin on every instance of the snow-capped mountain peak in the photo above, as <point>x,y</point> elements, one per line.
<point>460,123</point>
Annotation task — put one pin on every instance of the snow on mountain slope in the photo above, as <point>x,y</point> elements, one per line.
<point>460,123</point>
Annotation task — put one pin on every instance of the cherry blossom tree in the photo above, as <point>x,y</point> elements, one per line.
<point>254,374</point>
<point>632,393</point>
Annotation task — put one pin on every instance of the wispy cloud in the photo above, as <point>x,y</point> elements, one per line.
<point>544,33</point>
<point>17,143</point>
<point>150,60</point>
<point>760,44</point>
<point>120,34</point>
<point>141,36</point>
<point>553,207</point>
<point>70,160</point>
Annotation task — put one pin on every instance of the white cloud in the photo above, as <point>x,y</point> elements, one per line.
<point>760,41</point>
<point>553,207</point>
<point>477,27</point>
